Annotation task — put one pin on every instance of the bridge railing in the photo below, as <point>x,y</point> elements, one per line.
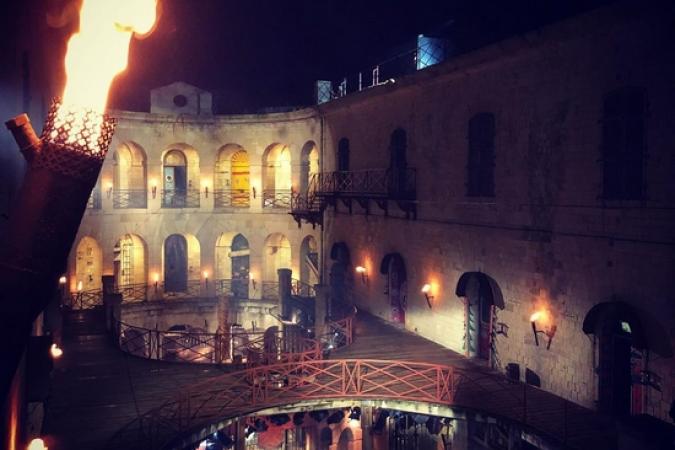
<point>302,289</point>
<point>244,392</point>
<point>83,299</point>
<point>251,348</point>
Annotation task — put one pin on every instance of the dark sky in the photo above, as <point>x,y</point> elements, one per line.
<point>256,53</point>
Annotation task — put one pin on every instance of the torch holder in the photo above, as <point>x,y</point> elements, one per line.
<point>62,168</point>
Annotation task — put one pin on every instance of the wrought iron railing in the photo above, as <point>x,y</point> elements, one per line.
<point>178,198</point>
<point>130,198</point>
<point>133,292</point>
<point>192,289</point>
<point>84,299</point>
<point>302,289</point>
<point>270,290</point>
<point>231,198</point>
<point>277,198</point>
<point>398,184</point>
<point>223,287</point>
<point>94,201</point>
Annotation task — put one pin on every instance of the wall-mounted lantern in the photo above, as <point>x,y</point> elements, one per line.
<point>254,284</point>
<point>205,185</point>
<point>363,272</point>
<point>254,191</point>
<point>108,189</point>
<point>206,278</point>
<point>426,290</point>
<point>153,187</point>
<point>549,331</point>
<point>55,351</point>
<point>155,278</point>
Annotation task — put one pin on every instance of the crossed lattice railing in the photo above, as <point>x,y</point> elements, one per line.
<point>394,183</point>
<point>130,198</point>
<point>302,289</point>
<point>244,392</point>
<point>231,198</point>
<point>84,299</point>
<point>277,198</point>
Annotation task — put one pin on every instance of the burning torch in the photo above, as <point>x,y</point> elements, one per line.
<point>64,162</point>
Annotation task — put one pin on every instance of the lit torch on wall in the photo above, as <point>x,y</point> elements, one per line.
<point>64,163</point>
<point>544,318</point>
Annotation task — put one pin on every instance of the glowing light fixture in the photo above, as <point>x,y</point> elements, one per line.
<point>153,187</point>
<point>426,290</point>
<point>37,444</point>
<point>79,286</point>
<point>544,317</point>
<point>363,272</point>
<point>55,351</point>
<point>155,277</point>
<point>109,188</point>
<point>62,280</point>
<point>205,185</point>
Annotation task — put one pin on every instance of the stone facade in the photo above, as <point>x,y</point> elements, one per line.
<point>546,237</point>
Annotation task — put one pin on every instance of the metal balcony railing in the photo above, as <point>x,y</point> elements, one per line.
<point>133,292</point>
<point>94,201</point>
<point>302,289</point>
<point>231,198</point>
<point>84,299</point>
<point>130,198</point>
<point>192,290</point>
<point>176,198</point>
<point>392,183</point>
<point>223,287</point>
<point>277,199</point>
<point>270,290</point>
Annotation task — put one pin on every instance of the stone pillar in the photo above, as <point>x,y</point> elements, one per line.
<point>285,293</point>
<point>111,301</point>
<point>320,308</point>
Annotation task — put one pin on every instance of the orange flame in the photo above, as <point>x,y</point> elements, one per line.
<point>99,51</point>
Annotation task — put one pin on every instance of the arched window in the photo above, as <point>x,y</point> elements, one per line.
<point>623,143</point>
<point>277,180</point>
<point>343,155</point>
<point>481,161</point>
<point>129,177</point>
<point>310,165</point>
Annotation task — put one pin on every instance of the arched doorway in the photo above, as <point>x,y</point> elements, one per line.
<point>175,264</point>
<point>624,337</point>
<point>240,256</point>
<point>341,281</point>
<point>129,266</point>
<point>276,255</point>
<point>309,261</point>
<point>232,178</point>
<point>175,183</point>
<point>481,296</point>
<point>129,177</point>
<point>310,165</point>
<point>395,286</point>
<point>88,265</point>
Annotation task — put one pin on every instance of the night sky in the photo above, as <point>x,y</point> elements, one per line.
<point>258,53</point>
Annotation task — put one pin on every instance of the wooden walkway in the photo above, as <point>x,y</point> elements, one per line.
<point>484,389</point>
<point>98,389</point>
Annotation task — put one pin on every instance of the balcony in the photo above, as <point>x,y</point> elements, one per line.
<point>270,290</point>
<point>277,199</point>
<point>192,289</point>
<point>130,198</point>
<point>380,186</point>
<point>231,198</point>
<point>178,198</point>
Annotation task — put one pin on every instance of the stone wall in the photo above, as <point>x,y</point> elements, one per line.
<point>546,237</point>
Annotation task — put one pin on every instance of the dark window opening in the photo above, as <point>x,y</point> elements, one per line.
<point>481,162</point>
<point>623,144</point>
<point>343,155</point>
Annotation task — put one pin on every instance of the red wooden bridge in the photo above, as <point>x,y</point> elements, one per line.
<point>417,371</point>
